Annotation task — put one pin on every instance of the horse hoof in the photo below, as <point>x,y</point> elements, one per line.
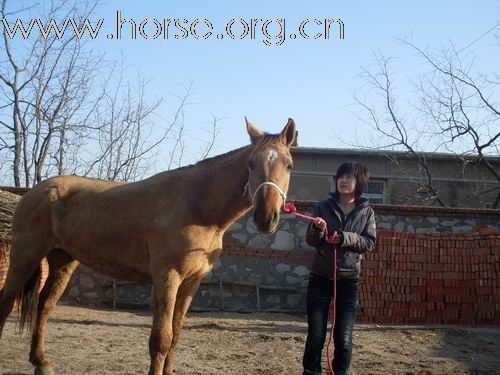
<point>44,371</point>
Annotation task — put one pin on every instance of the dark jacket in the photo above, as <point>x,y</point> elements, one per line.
<point>358,235</point>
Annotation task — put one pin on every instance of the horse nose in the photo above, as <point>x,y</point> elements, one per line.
<point>266,225</point>
<point>273,223</point>
<point>276,218</point>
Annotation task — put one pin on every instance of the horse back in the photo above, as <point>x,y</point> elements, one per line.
<point>115,228</point>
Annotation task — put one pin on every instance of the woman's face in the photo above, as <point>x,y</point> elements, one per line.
<point>346,184</point>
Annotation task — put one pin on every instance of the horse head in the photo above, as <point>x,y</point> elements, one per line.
<point>269,167</point>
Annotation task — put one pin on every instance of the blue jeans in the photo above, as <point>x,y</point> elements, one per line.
<point>319,294</point>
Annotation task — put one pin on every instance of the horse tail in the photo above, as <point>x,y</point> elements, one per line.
<point>28,299</point>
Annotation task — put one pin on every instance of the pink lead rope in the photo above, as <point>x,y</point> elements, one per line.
<point>290,208</point>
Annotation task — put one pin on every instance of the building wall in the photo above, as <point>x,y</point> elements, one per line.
<point>312,177</point>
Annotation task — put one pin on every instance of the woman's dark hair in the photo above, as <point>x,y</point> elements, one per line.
<point>357,170</point>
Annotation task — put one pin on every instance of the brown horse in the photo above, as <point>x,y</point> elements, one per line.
<point>166,230</point>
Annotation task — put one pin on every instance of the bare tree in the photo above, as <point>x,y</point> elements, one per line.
<point>67,110</point>
<point>455,111</point>
<point>44,81</point>
<point>463,108</point>
<point>213,132</point>
<point>180,148</point>
<point>118,143</point>
<point>393,127</point>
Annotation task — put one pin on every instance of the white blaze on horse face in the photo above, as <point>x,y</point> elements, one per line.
<point>272,156</point>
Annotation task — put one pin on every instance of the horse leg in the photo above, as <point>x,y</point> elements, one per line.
<point>12,290</point>
<point>185,295</point>
<point>61,267</point>
<point>165,287</point>
<point>23,273</point>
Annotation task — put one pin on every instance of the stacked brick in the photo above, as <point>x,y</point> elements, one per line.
<point>432,278</point>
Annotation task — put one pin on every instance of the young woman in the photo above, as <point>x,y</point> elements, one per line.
<point>348,214</point>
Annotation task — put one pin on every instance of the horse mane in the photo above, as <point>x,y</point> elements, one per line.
<point>264,140</point>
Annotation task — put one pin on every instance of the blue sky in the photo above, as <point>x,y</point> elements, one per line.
<point>312,81</point>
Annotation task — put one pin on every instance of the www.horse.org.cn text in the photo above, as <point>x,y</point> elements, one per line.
<point>271,32</point>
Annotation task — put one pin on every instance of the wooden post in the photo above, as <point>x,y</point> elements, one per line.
<point>221,291</point>
<point>114,294</point>
<point>258,296</point>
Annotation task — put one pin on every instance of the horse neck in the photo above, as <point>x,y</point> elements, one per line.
<point>222,185</point>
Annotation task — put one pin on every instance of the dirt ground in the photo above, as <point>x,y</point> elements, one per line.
<point>91,341</point>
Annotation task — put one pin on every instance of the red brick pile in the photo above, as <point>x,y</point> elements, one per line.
<point>433,278</point>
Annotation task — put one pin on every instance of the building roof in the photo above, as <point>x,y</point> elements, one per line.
<point>383,153</point>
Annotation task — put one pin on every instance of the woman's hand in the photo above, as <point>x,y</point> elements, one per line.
<point>320,224</point>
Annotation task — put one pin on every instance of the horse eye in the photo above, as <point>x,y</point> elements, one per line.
<point>251,164</point>
<point>289,167</point>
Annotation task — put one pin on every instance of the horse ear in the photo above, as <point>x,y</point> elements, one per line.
<point>289,134</point>
<point>253,132</point>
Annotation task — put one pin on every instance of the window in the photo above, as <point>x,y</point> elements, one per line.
<point>375,200</point>
<point>375,191</point>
